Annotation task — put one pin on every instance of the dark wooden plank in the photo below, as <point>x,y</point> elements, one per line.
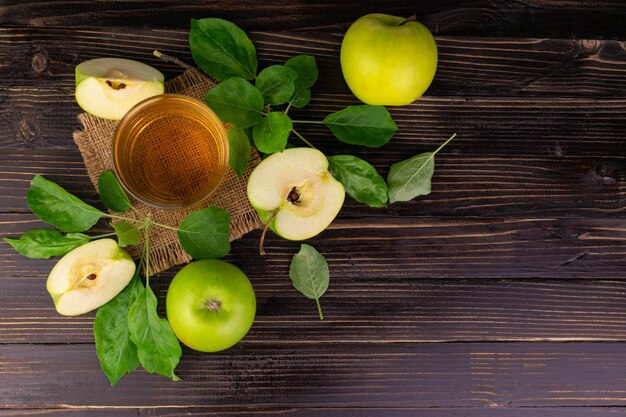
<point>463,185</point>
<point>388,249</point>
<point>467,66</point>
<point>330,375</point>
<point>395,280</point>
<point>296,411</point>
<point>476,17</point>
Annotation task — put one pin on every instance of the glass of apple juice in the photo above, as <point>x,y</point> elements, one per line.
<point>170,151</point>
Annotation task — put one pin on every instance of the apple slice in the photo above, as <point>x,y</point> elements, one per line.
<point>109,87</point>
<point>89,276</point>
<point>294,191</point>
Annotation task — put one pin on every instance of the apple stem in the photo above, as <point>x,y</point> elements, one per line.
<point>265,227</point>
<point>408,19</point>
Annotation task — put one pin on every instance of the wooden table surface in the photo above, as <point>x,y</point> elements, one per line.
<point>503,293</point>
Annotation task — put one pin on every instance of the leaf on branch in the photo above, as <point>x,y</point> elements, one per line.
<point>111,193</point>
<point>239,150</point>
<point>45,243</point>
<point>361,180</point>
<point>272,133</point>
<point>52,204</point>
<point>204,234</point>
<point>306,68</point>
<point>412,177</point>
<point>236,101</point>
<point>116,351</point>
<point>362,125</point>
<point>222,50</point>
<point>276,84</point>
<point>127,233</point>
<point>158,349</point>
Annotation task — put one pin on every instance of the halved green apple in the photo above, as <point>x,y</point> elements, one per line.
<point>294,191</point>
<point>89,276</point>
<point>109,87</point>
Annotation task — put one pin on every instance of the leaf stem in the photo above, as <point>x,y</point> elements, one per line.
<point>164,226</point>
<point>313,122</point>
<point>101,236</point>
<point>173,60</point>
<point>319,308</point>
<point>444,144</point>
<point>146,247</point>
<point>303,139</point>
<point>289,105</point>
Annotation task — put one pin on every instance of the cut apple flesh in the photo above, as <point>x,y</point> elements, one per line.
<point>109,87</point>
<point>296,187</point>
<point>89,276</point>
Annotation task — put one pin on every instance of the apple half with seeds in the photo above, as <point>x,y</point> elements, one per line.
<point>109,87</point>
<point>89,276</point>
<point>295,194</point>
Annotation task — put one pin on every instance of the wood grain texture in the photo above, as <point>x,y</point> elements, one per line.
<point>463,185</point>
<point>502,293</point>
<point>334,375</point>
<point>392,280</point>
<point>577,18</point>
<point>468,66</point>
<point>294,411</point>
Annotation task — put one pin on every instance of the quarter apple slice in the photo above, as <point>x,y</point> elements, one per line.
<point>89,276</point>
<point>294,191</point>
<point>109,87</point>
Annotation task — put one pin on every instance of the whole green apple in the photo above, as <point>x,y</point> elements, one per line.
<point>388,60</point>
<point>210,305</point>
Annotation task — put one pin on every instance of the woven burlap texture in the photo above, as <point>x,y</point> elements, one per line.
<point>95,145</point>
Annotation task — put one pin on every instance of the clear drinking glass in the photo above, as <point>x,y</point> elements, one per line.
<point>170,151</point>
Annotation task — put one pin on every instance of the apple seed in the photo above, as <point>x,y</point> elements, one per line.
<point>293,196</point>
<point>91,277</point>
<point>116,85</point>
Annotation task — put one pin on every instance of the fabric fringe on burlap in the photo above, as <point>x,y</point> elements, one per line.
<point>95,145</point>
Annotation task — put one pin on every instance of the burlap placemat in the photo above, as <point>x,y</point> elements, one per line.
<point>95,145</point>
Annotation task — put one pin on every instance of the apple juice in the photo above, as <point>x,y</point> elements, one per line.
<point>170,151</point>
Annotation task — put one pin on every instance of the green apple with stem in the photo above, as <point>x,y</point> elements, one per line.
<point>294,193</point>
<point>210,305</point>
<point>89,276</point>
<point>109,87</point>
<point>388,60</point>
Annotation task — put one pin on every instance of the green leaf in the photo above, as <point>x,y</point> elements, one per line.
<point>157,347</point>
<point>239,149</point>
<point>360,179</point>
<point>236,101</point>
<point>276,84</point>
<point>115,349</point>
<point>55,206</point>
<point>127,233</point>
<point>410,178</point>
<point>301,97</point>
<point>362,125</point>
<point>204,234</point>
<point>272,133</point>
<point>305,67</point>
<point>309,274</point>
<point>222,49</point>
<point>45,243</point>
<point>111,193</point>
